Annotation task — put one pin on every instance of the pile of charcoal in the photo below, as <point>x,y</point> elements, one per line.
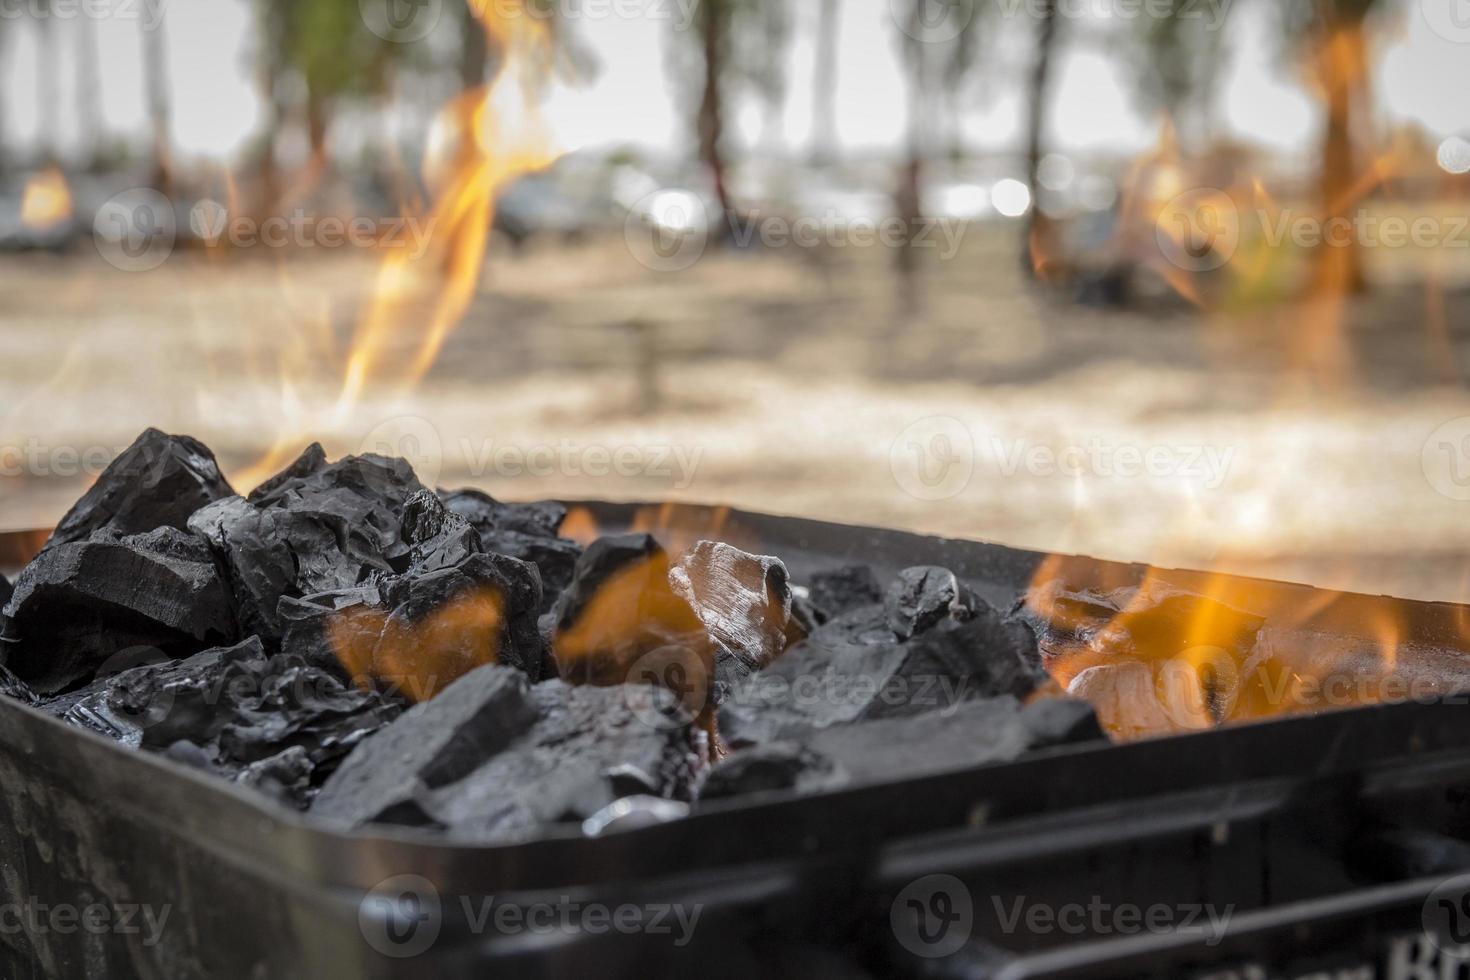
<point>374,651</point>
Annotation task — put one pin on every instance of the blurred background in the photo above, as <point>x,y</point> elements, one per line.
<point>1184,282</point>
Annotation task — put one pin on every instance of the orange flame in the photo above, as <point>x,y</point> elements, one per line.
<point>1158,652</point>
<point>499,136</point>
<point>485,138</point>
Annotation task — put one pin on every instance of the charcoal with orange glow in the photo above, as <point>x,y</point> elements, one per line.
<point>530,532</point>
<point>621,609</point>
<point>316,527</point>
<point>456,608</point>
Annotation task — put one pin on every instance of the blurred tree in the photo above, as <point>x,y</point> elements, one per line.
<point>1175,55</point>
<point>89,93</point>
<point>938,55</point>
<point>156,89</point>
<point>48,81</point>
<point>736,43</point>
<point>1331,35</point>
<point>824,84</point>
<point>1039,230</point>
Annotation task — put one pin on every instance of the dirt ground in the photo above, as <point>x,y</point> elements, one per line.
<point>791,381</point>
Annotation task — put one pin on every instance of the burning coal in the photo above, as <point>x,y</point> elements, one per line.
<point>355,643</point>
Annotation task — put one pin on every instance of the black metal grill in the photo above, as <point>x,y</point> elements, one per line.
<point>1325,837</point>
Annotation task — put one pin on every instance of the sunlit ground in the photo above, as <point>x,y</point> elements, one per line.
<point>792,382</point>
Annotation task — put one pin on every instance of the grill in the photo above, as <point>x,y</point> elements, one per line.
<point>1324,846</point>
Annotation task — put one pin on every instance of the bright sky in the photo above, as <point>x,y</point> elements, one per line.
<point>1422,75</point>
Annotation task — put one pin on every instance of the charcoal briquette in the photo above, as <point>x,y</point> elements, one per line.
<point>80,603</point>
<point>924,596</point>
<point>495,757</point>
<point>853,669</point>
<point>158,481</point>
<point>270,721</point>
<point>489,515</point>
<point>836,591</point>
<point>974,733</point>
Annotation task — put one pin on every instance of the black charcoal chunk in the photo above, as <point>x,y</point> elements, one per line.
<point>271,722</point>
<point>438,538</point>
<point>317,527</point>
<point>524,531</point>
<point>489,515</point>
<point>6,590</point>
<point>841,590</point>
<point>853,670</point>
<point>924,596</point>
<point>974,733</point>
<point>78,604</point>
<point>621,613</point>
<point>603,559</point>
<point>13,687</point>
<point>555,558</point>
<point>497,758</point>
<point>1062,721</point>
<point>316,627</point>
<point>417,633</point>
<point>771,767</point>
<point>158,481</point>
<point>457,618</point>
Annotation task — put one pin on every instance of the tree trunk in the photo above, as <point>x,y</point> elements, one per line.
<point>714,27</point>
<point>155,75</point>
<point>48,86</point>
<point>89,93</point>
<point>1038,227</point>
<point>1340,262</point>
<point>824,86</point>
<point>317,122</point>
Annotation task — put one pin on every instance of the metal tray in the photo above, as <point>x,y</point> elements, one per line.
<point>254,890</point>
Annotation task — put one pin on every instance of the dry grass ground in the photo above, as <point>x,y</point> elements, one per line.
<point>789,381</point>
